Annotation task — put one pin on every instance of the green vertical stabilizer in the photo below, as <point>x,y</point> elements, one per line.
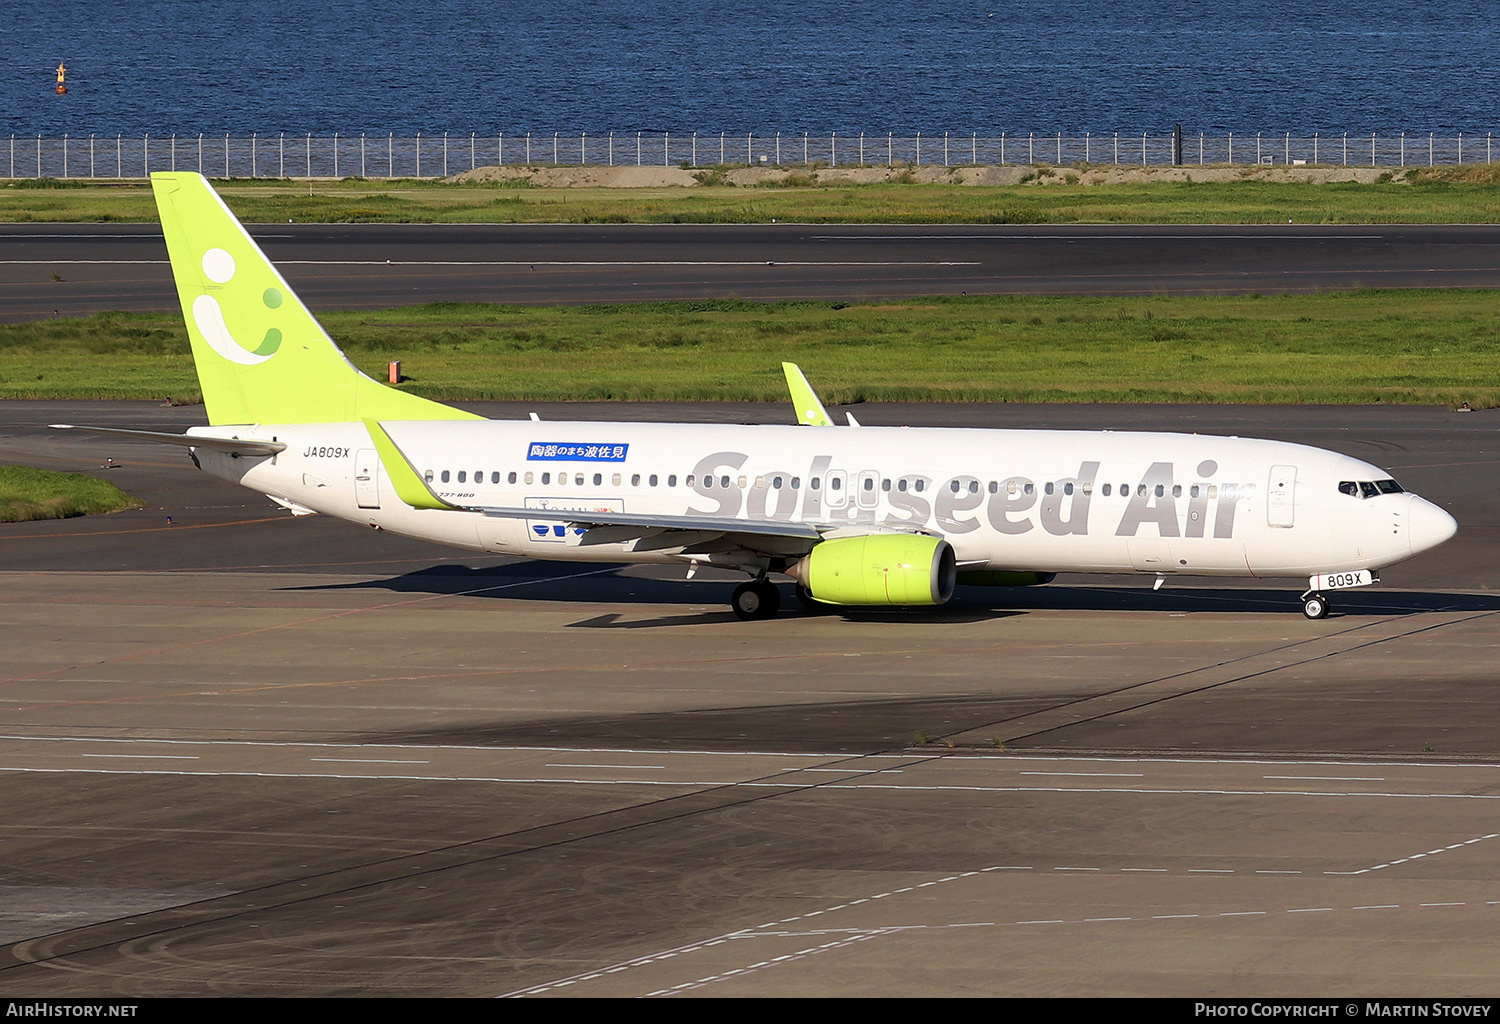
<point>261,356</point>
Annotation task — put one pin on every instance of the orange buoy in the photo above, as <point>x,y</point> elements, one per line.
<point>61,71</point>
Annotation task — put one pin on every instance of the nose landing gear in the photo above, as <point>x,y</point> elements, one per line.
<point>1315,606</point>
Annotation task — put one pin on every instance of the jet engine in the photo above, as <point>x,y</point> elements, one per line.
<point>879,569</point>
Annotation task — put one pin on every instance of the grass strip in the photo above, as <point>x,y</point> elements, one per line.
<point>1403,346</point>
<point>1432,196</point>
<point>27,494</point>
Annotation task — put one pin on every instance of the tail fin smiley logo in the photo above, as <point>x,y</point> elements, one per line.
<point>219,267</point>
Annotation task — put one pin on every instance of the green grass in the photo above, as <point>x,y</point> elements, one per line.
<point>1446,195</point>
<point>27,494</point>
<point>1412,346</point>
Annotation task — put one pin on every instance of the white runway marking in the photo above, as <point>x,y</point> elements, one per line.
<point>843,936</point>
<point>154,757</point>
<point>1264,237</point>
<point>365,760</point>
<point>539,263</point>
<point>623,263</point>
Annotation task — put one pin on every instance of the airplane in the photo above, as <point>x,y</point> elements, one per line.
<point>858,517</point>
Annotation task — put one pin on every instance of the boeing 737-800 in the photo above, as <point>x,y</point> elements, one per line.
<point>857,516</point>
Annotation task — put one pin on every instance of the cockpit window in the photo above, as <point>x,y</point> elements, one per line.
<point>1369,488</point>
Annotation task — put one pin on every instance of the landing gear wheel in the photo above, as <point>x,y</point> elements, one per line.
<point>1315,606</point>
<point>758,599</point>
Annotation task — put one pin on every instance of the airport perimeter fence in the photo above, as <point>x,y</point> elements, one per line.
<point>437,156</point>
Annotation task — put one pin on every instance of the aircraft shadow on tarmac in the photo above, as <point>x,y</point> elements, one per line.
<point>567,583</point>
<point>852,726</point>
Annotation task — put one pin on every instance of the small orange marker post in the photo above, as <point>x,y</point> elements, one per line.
<point>395,371</point>
<point>61,72</point>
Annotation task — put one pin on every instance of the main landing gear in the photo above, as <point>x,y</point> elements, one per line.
<point>758,599</point>
<point>1315,606</point>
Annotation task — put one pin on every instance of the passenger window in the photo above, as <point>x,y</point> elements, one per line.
<point>723,481</point>
<point>973,486</point>
<point>994,487</point>
<point>1176,490</point>
<point>1030,487</point>
<point>512,477</point>
<point>869,484</point>
<point>953,486</point>
<point>462,476</point>
<point>1160,490</point>
<point>921,485</point>
<point>796,482</point>
<point>635,479</point>
<point>1067,488</point>
<point>598,479</point>
<point>1088,488</point>
<point>814,483</point>
<point>495,477</point>
<point>651,480</point>
<point>837,483</point>
<point>1106,490</point>
<point>776,482</point>
<point>578,479</point>
<point>445,476</point>
<point>1010,488</point>
<point>901,484</point>
<point>1213,490</point>
<point>672,480</point>
<point>427,476</point>
<point>615,480</point>
<point>1048,488</point>
<point>1141,491</point>
<point>479,476</point>
<point>1194,491</point>
<point>546,478</point>
<point>885,485</point>
<point>528,476</point>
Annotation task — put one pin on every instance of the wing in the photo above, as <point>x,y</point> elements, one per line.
<point>692,534</point>
<point>631,524</point>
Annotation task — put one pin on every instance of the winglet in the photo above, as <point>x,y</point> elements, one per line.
<point>810,411</point>
<point>410,487</point>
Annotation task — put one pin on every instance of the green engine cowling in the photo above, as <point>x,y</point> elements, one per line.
<point>879,569</point>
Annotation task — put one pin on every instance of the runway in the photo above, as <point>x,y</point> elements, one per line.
<point>77,269</point>
<point>246,753</point>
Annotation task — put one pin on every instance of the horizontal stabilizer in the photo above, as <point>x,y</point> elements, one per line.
<point>230,445</point>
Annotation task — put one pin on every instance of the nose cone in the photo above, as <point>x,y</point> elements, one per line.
<point>1427,526</point>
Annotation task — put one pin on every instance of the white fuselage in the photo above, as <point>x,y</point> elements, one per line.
<point>1030,500</point>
